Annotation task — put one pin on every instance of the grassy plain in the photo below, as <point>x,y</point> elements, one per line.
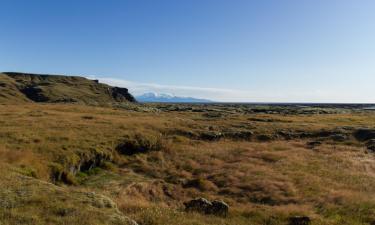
<point>259,161</point>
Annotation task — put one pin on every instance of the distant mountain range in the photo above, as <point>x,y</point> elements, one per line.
<point>159,97</point>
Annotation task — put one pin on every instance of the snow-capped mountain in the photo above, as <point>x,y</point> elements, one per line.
<point>162,97</point>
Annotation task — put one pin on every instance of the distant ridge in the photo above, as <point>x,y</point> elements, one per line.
<point>156,97</point>
<point>27,87</point>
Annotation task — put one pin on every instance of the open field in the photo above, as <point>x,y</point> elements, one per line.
<point>63,162</point>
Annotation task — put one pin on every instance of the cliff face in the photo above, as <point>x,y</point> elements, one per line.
<point>25,87</point>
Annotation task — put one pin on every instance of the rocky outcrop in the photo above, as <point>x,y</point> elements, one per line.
<point>61,89</point>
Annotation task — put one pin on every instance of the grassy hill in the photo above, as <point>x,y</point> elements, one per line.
<point>63,162</point>
<point>24,87</point>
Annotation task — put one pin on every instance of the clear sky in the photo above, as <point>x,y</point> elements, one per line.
<point>230,50</point>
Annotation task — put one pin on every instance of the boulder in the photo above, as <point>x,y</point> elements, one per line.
<point>200,205</point>
<point>219,208</point>
<point>204,206</point>
<point>299,220</point>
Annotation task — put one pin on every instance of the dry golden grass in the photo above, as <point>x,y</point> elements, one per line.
<point>263,182</point>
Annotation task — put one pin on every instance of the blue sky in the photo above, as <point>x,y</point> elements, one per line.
<point>229,50</point>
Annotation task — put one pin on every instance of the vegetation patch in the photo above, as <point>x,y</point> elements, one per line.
<point>136,143</point>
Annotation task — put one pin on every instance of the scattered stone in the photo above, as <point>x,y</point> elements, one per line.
<point>204,206</point>
<point>299,220</point>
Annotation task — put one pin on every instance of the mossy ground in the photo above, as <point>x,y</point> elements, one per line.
<point>264,182</point>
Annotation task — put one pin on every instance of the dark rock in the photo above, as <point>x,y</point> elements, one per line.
<point>34,93</point>
<point>200,205</point>
<point>299,220</point>
<point>219,208</point>
<point>121,94</point>
<point>203,206</point>
<point>364,134</point>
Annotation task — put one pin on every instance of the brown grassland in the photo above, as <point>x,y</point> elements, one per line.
<point>74,164</point>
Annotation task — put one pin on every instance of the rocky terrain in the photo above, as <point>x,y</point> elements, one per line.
<point>85,162</point>
<point>24,87</point>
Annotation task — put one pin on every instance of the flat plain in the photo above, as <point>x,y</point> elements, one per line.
<point>63,162</point>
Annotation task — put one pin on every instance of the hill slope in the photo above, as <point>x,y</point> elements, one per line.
<point>25,87</point>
